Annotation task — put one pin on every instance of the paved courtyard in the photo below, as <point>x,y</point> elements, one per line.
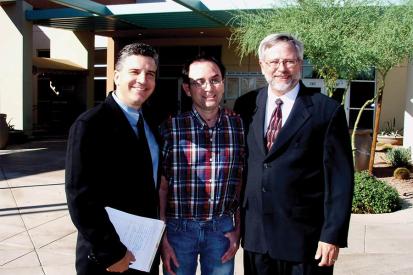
<point>38,238</point>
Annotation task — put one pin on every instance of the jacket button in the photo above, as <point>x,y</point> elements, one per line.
<point>265,165</point>
<point>92,257</point>
<point>264,190</point>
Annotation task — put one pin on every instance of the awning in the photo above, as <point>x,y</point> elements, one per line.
<point>109,17</point>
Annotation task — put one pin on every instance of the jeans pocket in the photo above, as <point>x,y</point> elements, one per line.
<point>225,224</point>
<point>172,225</point>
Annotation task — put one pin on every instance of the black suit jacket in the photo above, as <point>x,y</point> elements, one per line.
<point>104,167</point>
<point>301,191</point>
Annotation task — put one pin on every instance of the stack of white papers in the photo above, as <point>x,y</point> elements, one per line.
<point>139,234</point>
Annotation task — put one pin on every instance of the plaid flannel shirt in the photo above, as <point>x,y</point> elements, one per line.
<point>203,165</point>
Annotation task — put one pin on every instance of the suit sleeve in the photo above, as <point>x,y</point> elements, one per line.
<point>339,180</point>
<point>85,197</point>
<point>237,108</point>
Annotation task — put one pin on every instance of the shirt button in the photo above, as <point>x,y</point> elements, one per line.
<point>265,165</point>
<point>210,159</point>
<point>210,180</point>
<point>264,190</point>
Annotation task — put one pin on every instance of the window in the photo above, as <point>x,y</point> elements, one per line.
<point>43,53</point>
<point>360,92</point>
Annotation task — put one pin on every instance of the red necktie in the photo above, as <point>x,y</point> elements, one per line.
<point>275,124</point>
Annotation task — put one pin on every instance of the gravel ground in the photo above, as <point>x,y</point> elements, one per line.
<point>383,171</point>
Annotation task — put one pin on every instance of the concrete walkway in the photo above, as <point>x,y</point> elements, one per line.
<point>38,238</point>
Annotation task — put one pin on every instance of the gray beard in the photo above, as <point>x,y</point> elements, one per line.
<point>280,87</point>
<point>283,88</point>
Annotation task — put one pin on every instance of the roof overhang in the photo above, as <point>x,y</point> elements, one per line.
<point>82,15</point>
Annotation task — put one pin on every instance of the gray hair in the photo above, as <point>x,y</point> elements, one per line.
<point>274,38</point>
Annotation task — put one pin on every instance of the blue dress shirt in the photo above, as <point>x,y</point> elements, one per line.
<point>133,115</point>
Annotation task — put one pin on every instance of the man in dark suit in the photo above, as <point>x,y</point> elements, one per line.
<point>299,187</point>
<point>112,160</point>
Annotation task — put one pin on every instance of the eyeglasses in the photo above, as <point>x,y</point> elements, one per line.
<point>288,63</point>
<point>202,83</point>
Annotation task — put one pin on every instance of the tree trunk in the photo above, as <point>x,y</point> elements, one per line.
<point>377,121</point>
<point>375,131</point>
<point>356,123</point>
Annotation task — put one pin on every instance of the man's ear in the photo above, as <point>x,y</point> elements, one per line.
<point>185,86</point>
<point>116,78</point>
<point>261,66</point>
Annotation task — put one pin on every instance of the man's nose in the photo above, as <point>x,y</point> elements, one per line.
<point>141,78</point>
<point>282,66</point>
<point>208,86</point>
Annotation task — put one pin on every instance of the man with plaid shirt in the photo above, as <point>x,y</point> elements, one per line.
<point>203,159</point>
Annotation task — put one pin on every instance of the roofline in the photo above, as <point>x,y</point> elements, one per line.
<point>90,9</point>
<point>86,6</point>
<point>199,8</point>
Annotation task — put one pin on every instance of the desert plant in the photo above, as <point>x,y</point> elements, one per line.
<point>401,173</point>
<point>10,126</point>
<point>373,196</point>
<point>399,157</point>
<point>390,129</point>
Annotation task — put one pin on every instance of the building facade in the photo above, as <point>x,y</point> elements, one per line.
<point>53,68</point>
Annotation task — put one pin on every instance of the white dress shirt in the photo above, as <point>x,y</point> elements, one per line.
<point>288,100</point>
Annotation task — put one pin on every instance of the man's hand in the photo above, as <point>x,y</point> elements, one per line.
<point>123,264</point>
<point>327,252</point>
<point>168,255</point>
<point>233,237</point>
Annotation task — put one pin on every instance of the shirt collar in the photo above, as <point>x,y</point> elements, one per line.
<point>199,118</point>
<point>132,114</point>
<point>291,95</point>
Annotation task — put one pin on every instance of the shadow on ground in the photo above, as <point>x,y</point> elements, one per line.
<point>33,157</point>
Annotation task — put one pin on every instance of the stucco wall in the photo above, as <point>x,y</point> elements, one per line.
<point>16,69</point>
<point>394,97</point>
<point>408,120</point>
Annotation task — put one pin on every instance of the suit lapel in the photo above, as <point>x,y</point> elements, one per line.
<point>300,113</point>
<point>121,124</point>
<point>258,119</point>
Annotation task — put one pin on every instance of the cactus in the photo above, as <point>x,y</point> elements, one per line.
<point>401,173</point>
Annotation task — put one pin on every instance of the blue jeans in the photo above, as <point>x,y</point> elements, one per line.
<point>191,238</point>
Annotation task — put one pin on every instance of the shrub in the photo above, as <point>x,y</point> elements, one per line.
<point>373,196</point>
<point>399,157</point>
<point>401,173</point>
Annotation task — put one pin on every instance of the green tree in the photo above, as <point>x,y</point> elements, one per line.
<point>342,37</point>
<point>331,31</point>
<point>390,45</point>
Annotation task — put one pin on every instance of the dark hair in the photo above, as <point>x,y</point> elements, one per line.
<point>136,49</point>
<point>201,57</point>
